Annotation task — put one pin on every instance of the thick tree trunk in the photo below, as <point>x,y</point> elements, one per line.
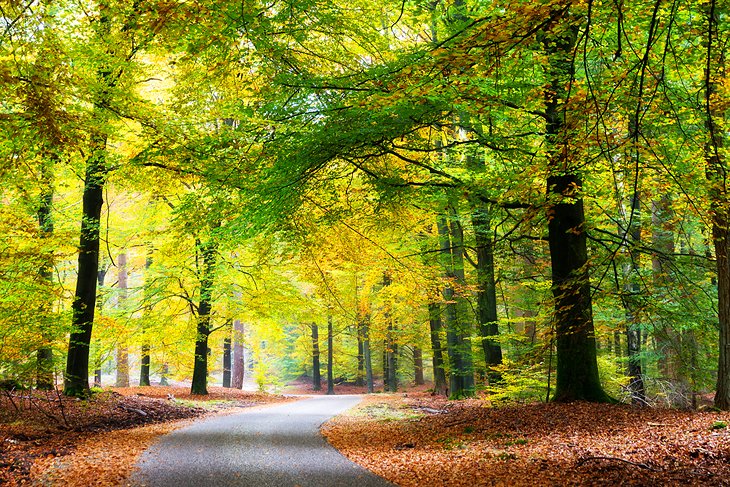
<point>316,374</point>
<point>239,365</point>
<point>577,367</point>
<point>486,290</point>
<point>715,75</point>
<point>44,355</point>
<point>439,374</point>
<point>76,380</point>
<point>418,366</point>
<point>330,364</point>
<point>200,368</point>
<point>122,350</point>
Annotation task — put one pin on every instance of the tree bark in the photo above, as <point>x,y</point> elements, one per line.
<point>316,374</point>
<point>144,370</point>
<point>44,355</point>
<point>390,352</point>
<point>122,350</point>
<point>330,364</point>
<point>76,379</point>
<point>418,366</point>
<point>577,366</point>
<point>439,374</point>
<point>715,75</point>
<point>486,291</point>
<point>239,365</point>
<point>227,359</point>
<point>207,276</point>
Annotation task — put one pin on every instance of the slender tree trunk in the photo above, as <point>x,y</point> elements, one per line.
<point>200,369</point>
<point>418,366</point>
<point>390,351</point>
<point>44,355</point>
<point>366,354</point>
<point>239,364</point>
<point>316,374</point>
<point>717,169</point>
<point>144,370</point>
<point>486,290</point>
<point>439,374</point>
<point>122,350</point>
<point>100,277</point>
<point>632,238</point>
<point>360,379</point>
<point>330,364</point>
<point>577,365</point>
<point>227,359</point>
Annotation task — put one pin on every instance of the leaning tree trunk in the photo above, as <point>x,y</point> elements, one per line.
<point>577,367</point>
<point>200,368</point>
<point>717,169</point>
<point>76,380</point>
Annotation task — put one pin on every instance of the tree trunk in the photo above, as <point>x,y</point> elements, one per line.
<point>390,352</point>
<point>316,374</point>
<point>486,290</point>
<point>100,277</point>
<point>461,379</point>
<point>76,381</point>
<point>227,357</point>
<point>144,370</point>
<point>366,354</point>
<point>717,169</point>
<point>200,368</point>
<point>44,355</point>
<point>122,350</point>
<point>439,374</point>
<point>577,366</point>
<point>239,365</point>
<point>631,235</point>
<point>330,365</point>
<point>418,366</point>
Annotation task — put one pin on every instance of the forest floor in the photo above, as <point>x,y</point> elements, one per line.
<point>48,439</point>
<point>415,439</point>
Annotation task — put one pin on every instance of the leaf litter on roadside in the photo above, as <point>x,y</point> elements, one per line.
<point>454,443</point>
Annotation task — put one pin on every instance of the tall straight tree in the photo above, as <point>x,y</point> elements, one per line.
<point>577,367</point>
<point>208,256</point>
<point>715,94</point>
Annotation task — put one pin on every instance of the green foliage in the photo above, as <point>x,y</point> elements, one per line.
<point>519,382</point>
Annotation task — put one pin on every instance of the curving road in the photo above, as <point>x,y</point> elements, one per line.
<point>277,446</point>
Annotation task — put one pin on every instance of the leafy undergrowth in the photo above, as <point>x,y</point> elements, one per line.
<point>48,439</point>
<point>422,441</point>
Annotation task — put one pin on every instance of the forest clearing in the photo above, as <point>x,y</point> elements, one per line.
<point>521,206</point>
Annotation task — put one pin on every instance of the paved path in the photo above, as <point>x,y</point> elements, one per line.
<point>276,446</point>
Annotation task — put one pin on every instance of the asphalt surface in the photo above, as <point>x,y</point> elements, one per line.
<point>276,446</point>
